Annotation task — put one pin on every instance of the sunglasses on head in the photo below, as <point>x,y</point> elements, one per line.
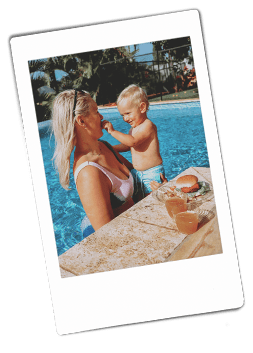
<point>75,99</point>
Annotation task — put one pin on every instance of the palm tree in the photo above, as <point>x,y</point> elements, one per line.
<point>44,82</point>
<point>81,70</point>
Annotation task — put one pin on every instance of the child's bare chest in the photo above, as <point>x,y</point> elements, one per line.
<point>147,147</point>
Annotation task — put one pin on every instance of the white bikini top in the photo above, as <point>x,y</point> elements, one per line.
<point>122,190</point>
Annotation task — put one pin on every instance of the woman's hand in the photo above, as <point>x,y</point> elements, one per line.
<point>107,126</point>
<point>154,185</point>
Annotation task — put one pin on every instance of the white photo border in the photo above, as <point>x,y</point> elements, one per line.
<point>146,293</point>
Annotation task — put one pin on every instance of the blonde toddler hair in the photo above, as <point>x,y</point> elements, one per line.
<point>136,94</point>
<point>64,128</point>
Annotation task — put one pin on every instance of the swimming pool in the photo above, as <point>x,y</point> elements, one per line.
<point>182,145</point>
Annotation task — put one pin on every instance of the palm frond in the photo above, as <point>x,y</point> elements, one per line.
<point>36,65</point>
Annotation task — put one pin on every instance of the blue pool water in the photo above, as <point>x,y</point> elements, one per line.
<point>182,145</point>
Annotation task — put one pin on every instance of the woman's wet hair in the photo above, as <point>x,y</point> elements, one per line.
<point>64,118</point>
<point>136,94</point>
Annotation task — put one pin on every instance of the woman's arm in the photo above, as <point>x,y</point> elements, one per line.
<point>121,148</point>
<point>124,160</point>
<point>94,188</point>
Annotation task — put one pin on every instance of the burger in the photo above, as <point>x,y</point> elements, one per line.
<point>187,183</point>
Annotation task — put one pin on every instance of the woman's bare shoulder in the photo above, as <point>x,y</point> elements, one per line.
<point>90,174</point>
<point>78,160</point>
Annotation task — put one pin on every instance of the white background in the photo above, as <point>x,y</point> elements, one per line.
<point>212,283</point>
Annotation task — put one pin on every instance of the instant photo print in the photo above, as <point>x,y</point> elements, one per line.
<point>146,263</point>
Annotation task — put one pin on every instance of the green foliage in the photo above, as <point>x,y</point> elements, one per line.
<point>174,52</point>
<point>104,73</point>
<point>87,71</point>
<point>189,94</point>
<point>178,54</point>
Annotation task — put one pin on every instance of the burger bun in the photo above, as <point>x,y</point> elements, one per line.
<point>186,181</point>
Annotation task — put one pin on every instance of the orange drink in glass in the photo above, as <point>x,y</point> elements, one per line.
<point>187,222</point>
<point>177,204</point>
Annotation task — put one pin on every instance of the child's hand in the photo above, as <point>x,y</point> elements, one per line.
<point>107,126</point>
<point>154,185</point>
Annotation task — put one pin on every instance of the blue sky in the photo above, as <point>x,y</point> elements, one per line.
<point>59,74</point>
<point>144,48</point>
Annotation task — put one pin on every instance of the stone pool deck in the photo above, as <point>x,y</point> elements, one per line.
<point>144,235</point>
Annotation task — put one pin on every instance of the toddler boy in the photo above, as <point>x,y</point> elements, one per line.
<point>141,139</point>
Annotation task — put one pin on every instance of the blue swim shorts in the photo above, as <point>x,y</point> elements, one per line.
<point>143,178</point>
<point>86,227</point>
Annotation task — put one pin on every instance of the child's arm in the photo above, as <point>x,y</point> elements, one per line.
<point>118,148</point>
<point>144,132</point>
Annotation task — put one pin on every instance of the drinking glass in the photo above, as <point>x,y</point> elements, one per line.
<point>177,204</point>
<point>187,222</point>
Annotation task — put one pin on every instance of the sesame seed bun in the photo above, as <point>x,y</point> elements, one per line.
<point>186,181</point>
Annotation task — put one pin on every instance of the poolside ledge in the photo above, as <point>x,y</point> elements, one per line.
<point>143,235</point>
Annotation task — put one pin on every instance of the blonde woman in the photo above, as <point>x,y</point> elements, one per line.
<point>103,181</point>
